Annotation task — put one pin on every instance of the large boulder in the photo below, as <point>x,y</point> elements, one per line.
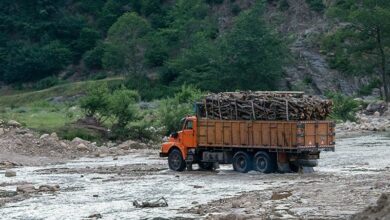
<point>377,106</point>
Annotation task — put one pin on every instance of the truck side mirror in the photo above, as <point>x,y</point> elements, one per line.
<point>174,135</point>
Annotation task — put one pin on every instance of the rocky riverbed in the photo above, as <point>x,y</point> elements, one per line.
<point>344,183</point>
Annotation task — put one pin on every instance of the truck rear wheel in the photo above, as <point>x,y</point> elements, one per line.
<point>175,160</point>
<point>263,162</point>
<point>242,162</point>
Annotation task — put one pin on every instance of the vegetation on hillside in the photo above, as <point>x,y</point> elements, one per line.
<point>362,44</point>
<point>159,44</point>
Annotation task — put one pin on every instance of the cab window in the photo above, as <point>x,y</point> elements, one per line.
<point>188,125</point>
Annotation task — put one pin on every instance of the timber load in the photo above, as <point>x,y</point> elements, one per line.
<point>263,106</point>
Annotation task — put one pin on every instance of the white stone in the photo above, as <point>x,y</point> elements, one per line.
<point>43,136</point>
<point>377,114</point>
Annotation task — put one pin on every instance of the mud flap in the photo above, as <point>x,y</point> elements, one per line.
<point>283,163</point>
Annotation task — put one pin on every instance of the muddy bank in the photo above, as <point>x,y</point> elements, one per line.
<point>22,146</point>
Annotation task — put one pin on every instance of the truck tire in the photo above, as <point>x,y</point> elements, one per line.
<point>264,163</point>
<point>176,161</point>
<point>242,162</point>
<point>206,165</point>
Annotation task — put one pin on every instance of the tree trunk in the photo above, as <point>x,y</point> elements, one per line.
<point>383,66</point>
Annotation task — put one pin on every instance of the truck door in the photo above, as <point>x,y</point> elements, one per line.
<point>188,134</point>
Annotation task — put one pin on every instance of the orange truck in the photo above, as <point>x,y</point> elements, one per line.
<point>264,146</point>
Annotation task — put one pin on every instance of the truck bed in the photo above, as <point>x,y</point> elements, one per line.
<point>278,135</point>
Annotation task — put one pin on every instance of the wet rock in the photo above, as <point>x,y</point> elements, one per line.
<point>82,147</point>
<point>27,188</point>
<point>48,188</point>
<point>95,195</point>
<point>194,203</point>
<point>197,187</point>
<point>10,173</point>
<point>13,123</point>
<point>378,212</point>
<point>6,193</point>
<point>280,195</point>
<point>43,136</point>
<point>95,216</point>
<point>115,158</point>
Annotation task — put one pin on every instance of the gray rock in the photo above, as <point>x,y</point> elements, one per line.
<point>48,188</point>
<point>27,188</point>
<point>2,131</point>
<point>95,216</point>
<point>10,173</point>
<point>82,147</point>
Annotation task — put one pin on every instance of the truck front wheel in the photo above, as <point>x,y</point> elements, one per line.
<point>176,161</point>
<point>263,162</point>
<point>242,162</point>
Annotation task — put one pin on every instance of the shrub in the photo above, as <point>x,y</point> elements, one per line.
<point>96,100</point>
<point>47,82</point>
<point>344,107</point>
<point>172,110</point>
<point>367,89</point>
<point>70,132</point>
<point>93,58</point>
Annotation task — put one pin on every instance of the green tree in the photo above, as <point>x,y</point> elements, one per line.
<point>253,55</point>
<point>367,37</point>
<point>126,44</point>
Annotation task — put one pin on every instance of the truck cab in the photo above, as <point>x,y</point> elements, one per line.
<point>181,142</point>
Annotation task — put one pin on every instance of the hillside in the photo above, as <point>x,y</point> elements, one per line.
<point>216,45</point>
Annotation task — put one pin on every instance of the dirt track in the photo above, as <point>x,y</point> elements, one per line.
<point>345,182</point>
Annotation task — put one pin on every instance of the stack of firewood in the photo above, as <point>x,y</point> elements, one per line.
<point>264,106</point>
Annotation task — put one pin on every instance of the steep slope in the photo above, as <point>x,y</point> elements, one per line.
<point>308,69</point>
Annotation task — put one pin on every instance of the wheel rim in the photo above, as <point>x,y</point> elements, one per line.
<point>241,163</point>
<point>175,161</point>
<point>261,163</point>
